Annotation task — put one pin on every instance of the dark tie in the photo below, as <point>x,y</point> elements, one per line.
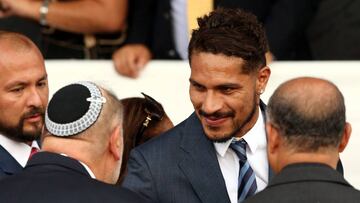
<point>246,182</point>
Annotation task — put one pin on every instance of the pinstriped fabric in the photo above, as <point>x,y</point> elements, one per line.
<point>246,182</point>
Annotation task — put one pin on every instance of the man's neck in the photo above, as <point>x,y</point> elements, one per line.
<point>327,158</point>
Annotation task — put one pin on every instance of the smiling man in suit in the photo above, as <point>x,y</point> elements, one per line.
<point>23,99</point>
<point>306,129</point>
<point>200,159</point>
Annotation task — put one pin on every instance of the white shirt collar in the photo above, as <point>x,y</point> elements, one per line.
<point>19,150</point>
<point>254,138</point>
<point>92,175</point>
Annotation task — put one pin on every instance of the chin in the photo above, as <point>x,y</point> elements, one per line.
<point>216,137</point>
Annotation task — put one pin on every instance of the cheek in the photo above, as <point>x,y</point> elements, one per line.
<point>196,98</point>
<point>45,96</point>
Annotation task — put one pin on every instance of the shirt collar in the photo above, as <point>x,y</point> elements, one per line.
<point>19,151</point>
<point>92,175</point>
<point>255,138</point>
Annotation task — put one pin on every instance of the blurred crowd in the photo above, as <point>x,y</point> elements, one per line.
<point>134,32</point>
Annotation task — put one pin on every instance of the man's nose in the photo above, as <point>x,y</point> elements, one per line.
<point>212,103</point>
<point>34,97</point>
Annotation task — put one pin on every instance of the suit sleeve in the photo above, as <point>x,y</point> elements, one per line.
<point>286,24</point>
<point>140,21</point>
<point>139,178</point>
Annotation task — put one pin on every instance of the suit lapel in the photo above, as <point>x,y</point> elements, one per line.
<point>8,164</point>
<point>200,164</point>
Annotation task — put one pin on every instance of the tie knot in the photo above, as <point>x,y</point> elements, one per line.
<point>239,147</point>
<point>33,151</point>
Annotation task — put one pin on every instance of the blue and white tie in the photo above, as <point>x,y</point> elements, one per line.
<point>246,182</point>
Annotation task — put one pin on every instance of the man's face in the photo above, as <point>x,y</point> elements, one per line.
<point>224,98</point>
<point>23,94</point>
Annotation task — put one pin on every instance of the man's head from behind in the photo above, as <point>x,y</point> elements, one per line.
<point>306,123</point>
<point>84,122</point>
<point>228,72</point>
<point>23,88</point>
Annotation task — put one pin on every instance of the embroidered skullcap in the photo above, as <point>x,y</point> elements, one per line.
<point>73,109</point>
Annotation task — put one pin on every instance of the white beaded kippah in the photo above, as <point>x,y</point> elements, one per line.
<point>73,109</point>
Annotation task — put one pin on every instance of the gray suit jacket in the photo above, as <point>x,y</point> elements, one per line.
<point>307,182</point>
<point>179,166</point>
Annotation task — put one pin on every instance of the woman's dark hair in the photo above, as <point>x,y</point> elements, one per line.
<point>141,121</point>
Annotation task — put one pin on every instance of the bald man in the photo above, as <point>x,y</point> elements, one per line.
<point>23,99</point>
<point>81,155</point>
<point>307,130</point>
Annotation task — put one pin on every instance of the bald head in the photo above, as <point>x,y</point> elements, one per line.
<point>13,41</point>
<point>308,112</point>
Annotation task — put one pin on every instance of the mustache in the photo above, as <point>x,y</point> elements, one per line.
<point>217,115</point>
<point>34,111</point>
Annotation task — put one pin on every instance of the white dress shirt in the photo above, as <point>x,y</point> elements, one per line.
<point>256,155</point>
<point>92,175</point>
<point>19,150</point>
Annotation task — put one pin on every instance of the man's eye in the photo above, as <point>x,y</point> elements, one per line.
<point>227,90</point>
<point>42,84</point>
<point>17,89</point>
<point>198,87</point>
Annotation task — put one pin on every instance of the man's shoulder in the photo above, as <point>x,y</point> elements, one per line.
<point>306,183</point>
<point>174,135</point>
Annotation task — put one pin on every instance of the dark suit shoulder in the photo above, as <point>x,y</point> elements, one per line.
<point>307,183</point>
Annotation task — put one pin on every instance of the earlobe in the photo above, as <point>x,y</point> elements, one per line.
<point>262,79</point>
<point>345,137</point>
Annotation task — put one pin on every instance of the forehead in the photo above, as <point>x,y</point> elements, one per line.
<point>20,65</point>
<point>216,67</point>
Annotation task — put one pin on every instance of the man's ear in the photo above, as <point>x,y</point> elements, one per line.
<point>274,147</point>
<point>116,143</point>
<point>262,79</point>
<point>345,137</point>
<point>273,138</point>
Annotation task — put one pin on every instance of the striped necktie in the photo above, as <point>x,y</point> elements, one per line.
<point>246,181</point>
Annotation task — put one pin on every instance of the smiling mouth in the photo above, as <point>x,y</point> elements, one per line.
<point>214,121</point>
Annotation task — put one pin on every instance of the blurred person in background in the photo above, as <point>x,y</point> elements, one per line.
<point>296,30</point>
<point>144,118</point>
<point>74,28</point>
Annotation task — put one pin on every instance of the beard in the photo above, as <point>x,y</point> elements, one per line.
<point>221,138</point>
<point>18,133</point>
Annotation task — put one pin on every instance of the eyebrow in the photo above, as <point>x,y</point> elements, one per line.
<point>15,83</point>
<point>43,78</point>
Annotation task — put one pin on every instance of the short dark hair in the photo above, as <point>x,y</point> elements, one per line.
<point>308,122</point>
<point>232,32</point>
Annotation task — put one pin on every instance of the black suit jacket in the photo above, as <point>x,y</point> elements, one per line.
<point>307,182</point>
<point>8,165</point>
<point>50,177</point>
